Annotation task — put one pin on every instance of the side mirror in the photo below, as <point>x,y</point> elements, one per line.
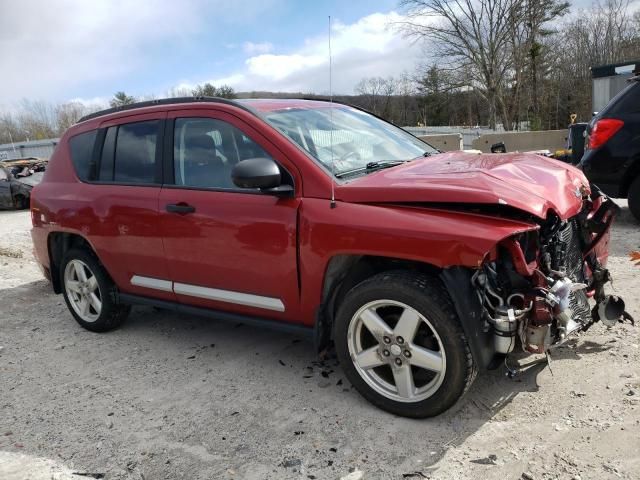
<point>262,173</point>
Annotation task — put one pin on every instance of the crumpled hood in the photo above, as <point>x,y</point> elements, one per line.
<point>525,181</point>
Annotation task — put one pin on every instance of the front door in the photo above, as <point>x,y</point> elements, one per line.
<point>227,248</point>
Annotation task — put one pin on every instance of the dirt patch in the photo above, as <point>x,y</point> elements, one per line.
<point>10,252</point>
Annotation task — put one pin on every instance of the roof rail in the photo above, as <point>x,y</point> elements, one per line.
<point>161,101</point>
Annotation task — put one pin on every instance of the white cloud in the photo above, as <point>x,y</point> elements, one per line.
<point>369,47</point>
<point>254,48</point>
<point>50,48</point>
<point>282,67</point>
<point>102,102</point>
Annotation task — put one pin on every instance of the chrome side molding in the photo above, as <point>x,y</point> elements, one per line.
<point>218,295</point>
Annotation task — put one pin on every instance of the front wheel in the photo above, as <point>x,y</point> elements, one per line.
<point>401,344</point>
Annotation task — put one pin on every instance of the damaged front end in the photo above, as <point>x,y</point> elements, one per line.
<point>534,288</point>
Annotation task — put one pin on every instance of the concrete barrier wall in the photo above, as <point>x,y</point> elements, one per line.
<point>444,142</point>
<point>34,148</point>
<point>551,140</point>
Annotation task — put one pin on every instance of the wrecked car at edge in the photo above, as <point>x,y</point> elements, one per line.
<point>17,179</point>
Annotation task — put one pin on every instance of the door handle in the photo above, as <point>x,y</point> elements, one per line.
<point>181,208</point>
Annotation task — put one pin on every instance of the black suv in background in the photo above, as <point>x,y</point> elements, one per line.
<point>612,157</point>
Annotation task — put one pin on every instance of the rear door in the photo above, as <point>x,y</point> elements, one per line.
<point>125,192</point>
<point>228,248</point>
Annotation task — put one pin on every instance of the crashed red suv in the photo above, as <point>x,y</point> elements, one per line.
<point>421,267</point>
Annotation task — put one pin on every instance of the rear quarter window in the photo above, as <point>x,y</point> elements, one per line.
<point>81,147</point>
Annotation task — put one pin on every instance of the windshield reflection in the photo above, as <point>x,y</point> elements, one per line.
<point>358,138</point>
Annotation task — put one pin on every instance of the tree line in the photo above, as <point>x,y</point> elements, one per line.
<point>520,64</point>
<point>515,63</point>
<point>37,120</point>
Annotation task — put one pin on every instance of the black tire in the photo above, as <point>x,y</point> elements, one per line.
<point>21,202</point>
<point>634,198</point>
<point>429,298</point>
<point>112,314</point>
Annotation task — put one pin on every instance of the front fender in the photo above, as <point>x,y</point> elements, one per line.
<point>436,237</point>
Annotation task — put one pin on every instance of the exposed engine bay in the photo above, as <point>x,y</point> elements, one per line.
<point>535,288</point>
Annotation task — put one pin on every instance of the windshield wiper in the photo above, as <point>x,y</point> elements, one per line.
<point>371,167</point>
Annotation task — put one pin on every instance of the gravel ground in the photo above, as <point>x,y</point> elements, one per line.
<point>170,396</point>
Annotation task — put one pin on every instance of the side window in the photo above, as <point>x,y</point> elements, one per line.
<point>135,152</point>
<point>205,150</point>
<point>81,147</point>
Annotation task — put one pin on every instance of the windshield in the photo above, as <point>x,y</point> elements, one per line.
<point>359,139</point>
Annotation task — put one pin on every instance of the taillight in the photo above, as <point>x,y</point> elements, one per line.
<point>603,130</point>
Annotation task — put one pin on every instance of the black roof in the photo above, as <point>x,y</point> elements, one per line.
<point>610,70</point>
<point>161,101</point>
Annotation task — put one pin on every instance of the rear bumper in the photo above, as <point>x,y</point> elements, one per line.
<point>46,272</point>
<point>41,251</point>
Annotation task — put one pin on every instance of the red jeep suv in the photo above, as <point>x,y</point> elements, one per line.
<point>421,267</point>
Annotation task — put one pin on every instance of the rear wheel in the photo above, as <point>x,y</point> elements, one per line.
<point>401,344</point>
<point>89,292</point>
<point>634,198</point>
<point>21,202</point>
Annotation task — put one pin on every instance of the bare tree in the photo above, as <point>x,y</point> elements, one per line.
<point>37,119</point>
<point>472,35</point>
<point>178,92</point>
<point>68,114</point>
<point>538,13</point>
<point>9,129</point>
<point>606,33</point>
<point>405,90</point>
<point>376,93</point>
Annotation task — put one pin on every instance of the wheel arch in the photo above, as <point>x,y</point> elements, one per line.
<point>344,272</point>
<point>58,243</point>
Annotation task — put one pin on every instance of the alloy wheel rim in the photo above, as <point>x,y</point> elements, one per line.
<point>83,291</point>
<point>396,351</point>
